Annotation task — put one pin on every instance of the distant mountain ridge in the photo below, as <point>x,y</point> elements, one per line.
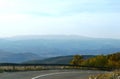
<point>47,46</point>
<point>26,37</point>
<point>8,57</point>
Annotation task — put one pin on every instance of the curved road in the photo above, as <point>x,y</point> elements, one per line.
<point>49,74</point>
<point>64,75</point>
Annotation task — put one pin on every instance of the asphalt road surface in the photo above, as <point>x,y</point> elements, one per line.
<point>49,74</point>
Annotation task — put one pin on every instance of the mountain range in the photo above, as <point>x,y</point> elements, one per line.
<point>7,57</point>
<point>24,48</point>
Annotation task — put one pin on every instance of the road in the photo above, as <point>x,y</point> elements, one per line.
<point>49,74</point>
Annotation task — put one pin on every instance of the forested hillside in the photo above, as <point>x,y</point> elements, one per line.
<point>111,60</point>
<point>56,60</point>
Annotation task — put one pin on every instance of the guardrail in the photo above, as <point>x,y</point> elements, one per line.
<point>24,67</point>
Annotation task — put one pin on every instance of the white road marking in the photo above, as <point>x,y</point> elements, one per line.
<point>58,73</point>
<point>49,74</point>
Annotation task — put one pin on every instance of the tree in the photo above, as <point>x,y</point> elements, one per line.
<point>98,61</point>
<point>114,60</point>
<point>77,60</point>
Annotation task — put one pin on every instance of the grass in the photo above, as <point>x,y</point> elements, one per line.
<point>112,75</point>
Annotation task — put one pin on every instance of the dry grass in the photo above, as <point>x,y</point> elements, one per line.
<point>20,68</point>
<point>112,75</point>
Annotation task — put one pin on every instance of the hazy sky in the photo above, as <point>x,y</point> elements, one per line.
<point>94,18</point>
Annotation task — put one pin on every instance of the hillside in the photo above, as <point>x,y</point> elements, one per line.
<point>8,57</point>
<point>56,60</point>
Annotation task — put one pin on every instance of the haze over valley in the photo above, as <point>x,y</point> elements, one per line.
<point>23,48</point>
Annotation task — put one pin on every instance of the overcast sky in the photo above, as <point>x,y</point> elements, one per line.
<point>93,18</point>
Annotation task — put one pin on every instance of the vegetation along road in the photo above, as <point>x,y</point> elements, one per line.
<point>50,74</point>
